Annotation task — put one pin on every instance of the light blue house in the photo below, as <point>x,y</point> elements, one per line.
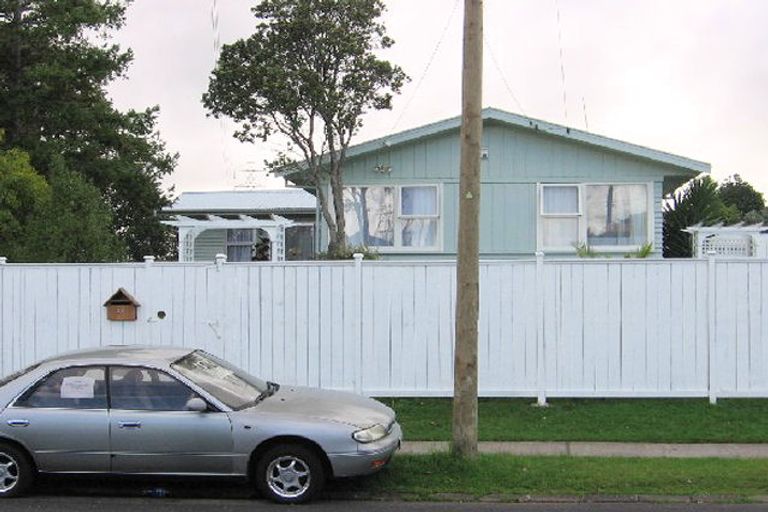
<point>545,188</point>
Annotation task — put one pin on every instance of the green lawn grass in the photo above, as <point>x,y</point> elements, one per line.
<point>630,420</point>
<point>424,475</point>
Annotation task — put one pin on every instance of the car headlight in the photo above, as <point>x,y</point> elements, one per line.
<point>370,434</point>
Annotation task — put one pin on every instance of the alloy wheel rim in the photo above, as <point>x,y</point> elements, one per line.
<point>288,476</point>
<point>9,473</point>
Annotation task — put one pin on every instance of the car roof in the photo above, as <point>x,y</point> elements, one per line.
<point>122,354</point>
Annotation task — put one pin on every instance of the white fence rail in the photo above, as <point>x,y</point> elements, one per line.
<point>588,328</point>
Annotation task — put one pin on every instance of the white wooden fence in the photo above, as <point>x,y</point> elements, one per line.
<point>587,328</point>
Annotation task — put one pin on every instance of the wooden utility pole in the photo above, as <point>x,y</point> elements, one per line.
<point>468,267</point>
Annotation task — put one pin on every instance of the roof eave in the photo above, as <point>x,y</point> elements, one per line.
<point>685,165</point>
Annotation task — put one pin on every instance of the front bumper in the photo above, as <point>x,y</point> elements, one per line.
<point>369,458</point>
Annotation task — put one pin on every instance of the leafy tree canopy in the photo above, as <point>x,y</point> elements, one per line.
<point>22,192</point>
<point>55,62</point>
<point>74,225</point>
<point>738,193</point>
<point>308,72</point>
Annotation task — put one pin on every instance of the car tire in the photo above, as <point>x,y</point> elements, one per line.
<point>289,473</point>
<point>16,471</point>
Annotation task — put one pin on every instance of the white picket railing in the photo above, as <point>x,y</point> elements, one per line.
<point>587,328</point>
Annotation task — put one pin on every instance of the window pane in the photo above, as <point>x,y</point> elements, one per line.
<point>71,388</point>
<point>239,235</point>
<point>560,199</point>
<point>299,243</point>
<point>418,200</point>
<point>560,233</point>
<point>144,389</point>
<point>239,253</point>
<point>369,213</point>
<point>419,232</point>
<point>617,214</point>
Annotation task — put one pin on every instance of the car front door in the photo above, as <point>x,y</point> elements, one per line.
<point>63,420</point>
<point>153,432</point>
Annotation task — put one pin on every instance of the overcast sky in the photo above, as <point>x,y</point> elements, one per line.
<point>685,76</point>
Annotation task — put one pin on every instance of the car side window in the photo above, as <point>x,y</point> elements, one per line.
<point>145,389</point>
<point>81,387</point>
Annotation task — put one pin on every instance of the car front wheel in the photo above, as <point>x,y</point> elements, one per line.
<point>16,472</point>
<point>289,473</point>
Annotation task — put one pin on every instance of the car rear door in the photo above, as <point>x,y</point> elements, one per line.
<point>63,420</point>
<point>152,432</point>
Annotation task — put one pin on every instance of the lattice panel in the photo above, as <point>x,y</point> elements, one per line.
<point>728,245</point>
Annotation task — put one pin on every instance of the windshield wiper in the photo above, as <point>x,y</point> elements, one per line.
<point>272,388</point>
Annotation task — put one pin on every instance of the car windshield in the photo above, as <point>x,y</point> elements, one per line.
<point>229,384</point>
<point>14,376</point>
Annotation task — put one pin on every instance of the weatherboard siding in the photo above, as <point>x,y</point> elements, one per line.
<point>209,243</point>
<point>518,159</point>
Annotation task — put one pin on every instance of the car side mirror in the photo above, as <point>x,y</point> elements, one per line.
<point>197,405</point>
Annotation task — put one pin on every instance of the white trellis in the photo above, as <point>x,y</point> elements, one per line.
<point>190,228</point>
<point>738,240</point>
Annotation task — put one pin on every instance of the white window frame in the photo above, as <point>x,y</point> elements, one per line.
<point>582,229</point>
<point>582,216</point>
<point>398,246</point>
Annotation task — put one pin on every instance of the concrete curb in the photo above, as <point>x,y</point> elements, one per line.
<point>528,498</point>
<point>588,449</point>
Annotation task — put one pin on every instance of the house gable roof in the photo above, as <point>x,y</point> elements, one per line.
<point>694,167</point>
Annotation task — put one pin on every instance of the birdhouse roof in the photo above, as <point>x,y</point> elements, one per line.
<point>122,296</point>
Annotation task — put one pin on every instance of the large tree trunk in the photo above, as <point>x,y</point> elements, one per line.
<point>338,238</point>
<point>325,210</point>
<point>467,272</point>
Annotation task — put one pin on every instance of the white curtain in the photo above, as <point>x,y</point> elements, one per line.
<point>560,232</point>
<point>418,201</point>
<point>560,199</point>
<point>419,232</point>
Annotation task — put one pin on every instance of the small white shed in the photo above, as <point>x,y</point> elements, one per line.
<point>737,240</point>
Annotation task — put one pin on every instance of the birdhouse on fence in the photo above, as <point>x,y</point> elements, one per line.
<point>121,307</point>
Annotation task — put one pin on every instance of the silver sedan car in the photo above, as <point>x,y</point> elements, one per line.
<point>173,411</point>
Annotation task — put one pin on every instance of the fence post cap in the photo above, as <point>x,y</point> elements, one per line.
<point>148,260</point>
<point>3,260</point>
<point>358,256</point>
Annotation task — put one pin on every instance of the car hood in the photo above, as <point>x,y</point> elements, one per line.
<point>354,410</point>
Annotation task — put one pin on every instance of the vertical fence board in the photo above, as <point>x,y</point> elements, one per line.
<point>610,328</point>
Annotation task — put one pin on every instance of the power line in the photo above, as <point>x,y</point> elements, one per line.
<point>429,64</point>
<point>562,65</point>
<point>215,26</point>
<point>503,77</point>
<point>216,52</point>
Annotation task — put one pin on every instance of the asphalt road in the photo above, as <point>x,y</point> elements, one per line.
<point>120,504</point>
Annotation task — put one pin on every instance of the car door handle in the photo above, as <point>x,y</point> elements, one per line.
<point>18,423</point>
<point>130,424</point>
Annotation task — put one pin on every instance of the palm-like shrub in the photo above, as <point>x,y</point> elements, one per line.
<point>697,202</point>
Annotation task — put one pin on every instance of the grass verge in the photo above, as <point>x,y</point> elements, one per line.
<point>422,476</point>
<point>628,420</point>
